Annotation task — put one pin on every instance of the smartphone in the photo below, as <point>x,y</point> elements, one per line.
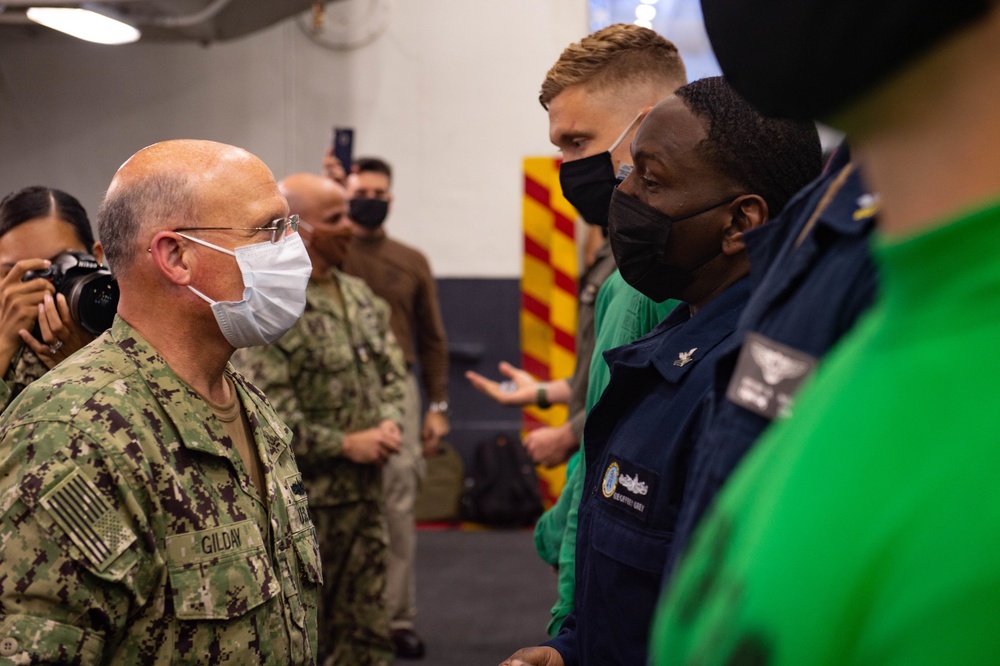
<point>343,146</point>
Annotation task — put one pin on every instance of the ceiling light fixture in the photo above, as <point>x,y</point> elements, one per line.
<point>645,12</point>
<point>87,24</point>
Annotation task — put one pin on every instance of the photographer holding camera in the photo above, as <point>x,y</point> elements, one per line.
<point>39,227</point>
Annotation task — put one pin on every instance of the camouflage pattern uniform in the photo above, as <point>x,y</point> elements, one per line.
<point>25,367</point>
<point>339,370</point>
<point>132,533</point>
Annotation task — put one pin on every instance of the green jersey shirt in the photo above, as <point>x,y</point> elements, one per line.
<point>622,315</point>
<point>866,529</point>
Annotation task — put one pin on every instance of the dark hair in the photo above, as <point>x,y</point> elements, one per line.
<point>769,157</point>
<point>373,164</point>
<point>38,201</point>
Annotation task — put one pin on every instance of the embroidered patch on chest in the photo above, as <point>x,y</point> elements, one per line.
<point>629,487</point>
<point>298,503</point>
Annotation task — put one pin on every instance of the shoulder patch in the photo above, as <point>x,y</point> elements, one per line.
<point>89,520</point>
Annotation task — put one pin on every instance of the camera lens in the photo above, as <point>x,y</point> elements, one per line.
<point>93,300</point>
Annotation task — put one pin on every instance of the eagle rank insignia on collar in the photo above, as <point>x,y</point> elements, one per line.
<point>684,358</point>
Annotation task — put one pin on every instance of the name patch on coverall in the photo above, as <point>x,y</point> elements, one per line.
<point>629,487</point>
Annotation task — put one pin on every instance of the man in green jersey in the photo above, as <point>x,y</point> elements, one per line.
<point>865,528</point>
<point>594,95</point>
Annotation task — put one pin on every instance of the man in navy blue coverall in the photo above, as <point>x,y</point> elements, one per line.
<point>708,169</point>
<point>812,276</point>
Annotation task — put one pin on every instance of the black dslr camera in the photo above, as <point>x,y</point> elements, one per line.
<point>90,291</point>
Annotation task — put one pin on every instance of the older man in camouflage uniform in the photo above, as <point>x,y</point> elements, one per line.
<point>151,511</point>
<point>337,378</point>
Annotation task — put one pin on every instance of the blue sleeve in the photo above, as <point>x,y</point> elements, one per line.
<point>565,642</point>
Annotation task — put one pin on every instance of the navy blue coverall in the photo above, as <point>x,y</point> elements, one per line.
<point>808,291</point>
<point>634,479</point>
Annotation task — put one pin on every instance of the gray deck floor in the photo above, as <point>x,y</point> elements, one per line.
<point>480,595</point>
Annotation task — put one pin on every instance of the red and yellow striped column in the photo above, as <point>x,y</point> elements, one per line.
<point>548,296</point>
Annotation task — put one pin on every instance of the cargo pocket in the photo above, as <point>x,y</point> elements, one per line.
<point>301,574</point>
<point>302,531</point>
<point>330,363</point>
<point>307,552</point>
<point>332,358</point>
<point>626,569</point>
<point>219,573</point>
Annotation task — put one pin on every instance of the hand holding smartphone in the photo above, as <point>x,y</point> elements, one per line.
<point>343,146</point>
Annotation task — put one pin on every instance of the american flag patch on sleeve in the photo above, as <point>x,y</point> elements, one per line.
<point>88,519</point>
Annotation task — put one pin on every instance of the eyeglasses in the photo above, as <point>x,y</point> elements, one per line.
<point>278,228</point>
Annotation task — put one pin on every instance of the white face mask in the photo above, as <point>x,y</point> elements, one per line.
<point>275,276</point>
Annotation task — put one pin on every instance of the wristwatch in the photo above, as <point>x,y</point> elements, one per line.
<point>542,399</point>
<point>439,407</point>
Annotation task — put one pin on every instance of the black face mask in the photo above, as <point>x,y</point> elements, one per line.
<point>639,235</point>
<point>588,184</point>
<point>369,213</point>
<point>809,59</point>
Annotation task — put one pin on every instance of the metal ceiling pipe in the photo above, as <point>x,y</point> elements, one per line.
<point>188,20</point>
<point>10,4</point>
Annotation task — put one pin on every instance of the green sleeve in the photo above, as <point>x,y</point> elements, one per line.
<point>56,576</point>
<point>552,524</point>
<point>567,548</point>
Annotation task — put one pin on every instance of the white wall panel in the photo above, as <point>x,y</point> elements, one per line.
<point>448,94</point>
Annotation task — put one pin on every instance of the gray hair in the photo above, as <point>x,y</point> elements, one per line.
<point>138,203</point>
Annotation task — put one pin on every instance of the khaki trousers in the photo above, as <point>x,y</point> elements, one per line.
<point>401,479</point>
